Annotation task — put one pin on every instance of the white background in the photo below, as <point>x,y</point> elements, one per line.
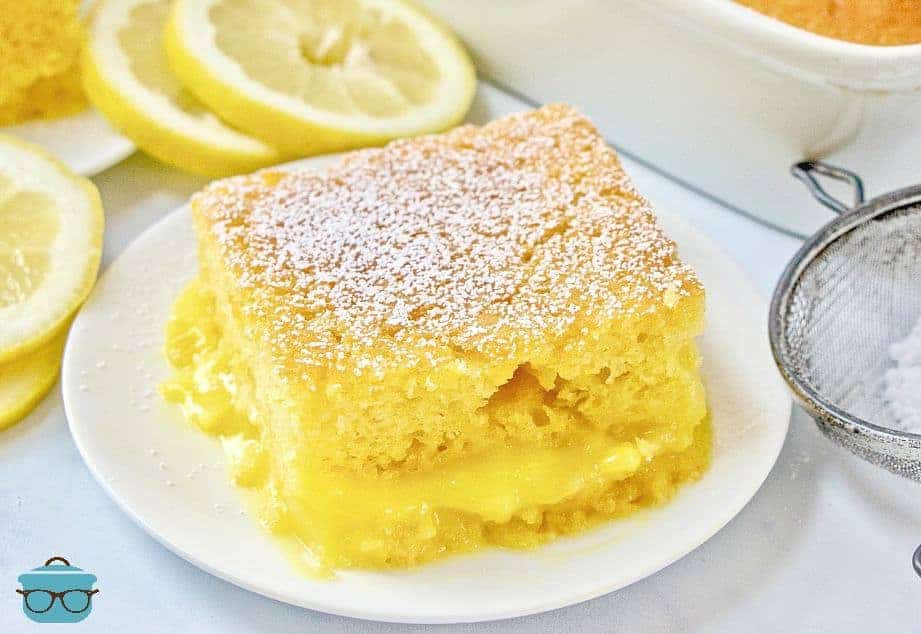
<point>825,546</point>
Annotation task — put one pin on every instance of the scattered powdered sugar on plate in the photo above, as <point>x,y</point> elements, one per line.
<point>902,383</point>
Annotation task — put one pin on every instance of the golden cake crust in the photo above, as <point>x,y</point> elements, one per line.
<point>486,239</point>
<point>875,22</point>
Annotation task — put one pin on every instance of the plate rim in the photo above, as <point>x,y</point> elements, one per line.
<point>119,149</point>
<point>722,517</point>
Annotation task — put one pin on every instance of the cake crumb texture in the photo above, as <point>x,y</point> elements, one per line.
<point>40,43</point>
<point>410,282</point>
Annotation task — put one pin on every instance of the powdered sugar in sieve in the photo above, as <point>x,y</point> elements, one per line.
<point>902,383</point>
<point>842,323</point>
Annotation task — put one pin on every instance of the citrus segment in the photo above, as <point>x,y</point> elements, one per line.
<point>127,77</point>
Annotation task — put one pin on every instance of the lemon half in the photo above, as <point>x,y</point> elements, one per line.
<point>25,380</point>
<point>51,225</point>
<point>127,77</point>
<point>314,76</point>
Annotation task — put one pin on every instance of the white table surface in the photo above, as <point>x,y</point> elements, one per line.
<point>824,546</point>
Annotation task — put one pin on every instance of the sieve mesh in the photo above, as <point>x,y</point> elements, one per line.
<point>854,292</point>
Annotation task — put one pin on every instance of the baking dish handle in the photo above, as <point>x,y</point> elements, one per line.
<point>806,171</point>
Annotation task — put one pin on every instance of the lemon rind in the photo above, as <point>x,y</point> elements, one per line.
<point>44,366</point>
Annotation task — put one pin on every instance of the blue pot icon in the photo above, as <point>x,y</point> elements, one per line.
<point>57,592</point>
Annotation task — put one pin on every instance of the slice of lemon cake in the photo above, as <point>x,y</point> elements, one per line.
<point>470,338</point>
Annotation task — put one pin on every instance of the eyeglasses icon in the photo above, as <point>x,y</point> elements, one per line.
<point>74,601</point>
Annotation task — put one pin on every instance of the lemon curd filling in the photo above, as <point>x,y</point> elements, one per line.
<point>459,340</point>
<point>513,495</point>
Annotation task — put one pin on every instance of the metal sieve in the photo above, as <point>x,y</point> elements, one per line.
<point>850,292</point>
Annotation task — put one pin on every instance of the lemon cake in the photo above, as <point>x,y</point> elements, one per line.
<point>39,47</point>
<point>480,337</point>
<point>875,22</point>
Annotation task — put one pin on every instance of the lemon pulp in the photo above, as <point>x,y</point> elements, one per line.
<point>338,56</point>
<point>140,38</point>
<point>311,76</point>
<point>511,496</point>
<point>28,225</point>
<point>51,225</point>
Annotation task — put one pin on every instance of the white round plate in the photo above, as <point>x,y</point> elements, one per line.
<point>85,141</point>
<point>170,477</point>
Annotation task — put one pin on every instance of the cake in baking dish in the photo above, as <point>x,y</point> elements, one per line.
<point>480,337</point>
<point>876,22</point>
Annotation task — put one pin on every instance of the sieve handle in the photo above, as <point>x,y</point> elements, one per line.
<point>806,171</point>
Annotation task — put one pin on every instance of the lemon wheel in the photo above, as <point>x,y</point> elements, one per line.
<point>51,225</point>
<point>25,381</point>
<point>314,76</point>
<point>127,77</point>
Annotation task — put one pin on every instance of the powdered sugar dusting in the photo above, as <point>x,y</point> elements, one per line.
<point>488,239</point>
<point>901,382</point>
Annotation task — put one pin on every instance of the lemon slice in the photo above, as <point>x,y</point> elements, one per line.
<point>50,244</point>
<point>24,381</point>
<point>128,79</point>
<point>315,76</point>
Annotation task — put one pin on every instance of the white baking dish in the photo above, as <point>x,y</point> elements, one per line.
<point>715,94</point>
